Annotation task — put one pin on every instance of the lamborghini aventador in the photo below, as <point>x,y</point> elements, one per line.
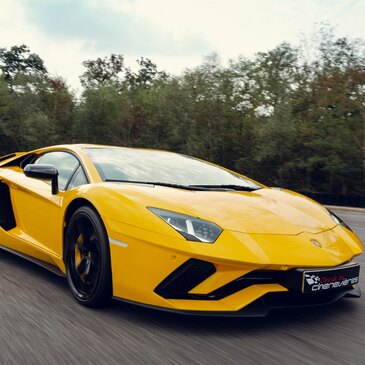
<point>172,232</point>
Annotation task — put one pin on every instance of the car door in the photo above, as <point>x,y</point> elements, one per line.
<point>37,209</point>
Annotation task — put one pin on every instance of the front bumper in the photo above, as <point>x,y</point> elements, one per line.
<point>143,262</point>
<point>283,289</point>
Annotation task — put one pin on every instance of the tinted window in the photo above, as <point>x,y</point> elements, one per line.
<point>159,166</point>
<point>78,179</point>
<point>64,162</point>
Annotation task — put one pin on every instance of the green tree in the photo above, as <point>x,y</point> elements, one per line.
<point>59,107</point>
<point>7,136</point>
<point>99,72</point>
<point>19,60</point>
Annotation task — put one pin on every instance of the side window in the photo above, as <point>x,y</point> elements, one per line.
<point>78,179</point>
<point>64,162</point>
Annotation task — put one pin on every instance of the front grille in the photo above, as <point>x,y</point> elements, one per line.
<point>178,284</point>
<point>184,278</point>
<point>251,278</point>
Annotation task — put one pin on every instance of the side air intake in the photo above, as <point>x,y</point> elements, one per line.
<point>184,278</point>
<point>7,219</point>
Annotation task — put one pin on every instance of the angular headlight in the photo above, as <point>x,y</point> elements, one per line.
<point>193,229</point>
<point>338,220</point>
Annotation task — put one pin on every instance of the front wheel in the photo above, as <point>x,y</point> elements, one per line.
<point>88,258</point>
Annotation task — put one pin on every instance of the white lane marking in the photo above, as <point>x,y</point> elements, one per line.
<point>119,243</point>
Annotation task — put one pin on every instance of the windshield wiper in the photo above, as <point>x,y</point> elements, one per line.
<point>189,187</point>
<point>178,186</point>
<point>228,186</point>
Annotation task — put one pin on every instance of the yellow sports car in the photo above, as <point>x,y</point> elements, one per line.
<point>172,232</point>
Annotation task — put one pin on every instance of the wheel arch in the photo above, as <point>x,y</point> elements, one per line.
<point>70,210</point>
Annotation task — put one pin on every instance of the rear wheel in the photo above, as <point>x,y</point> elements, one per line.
<point>88,258</point>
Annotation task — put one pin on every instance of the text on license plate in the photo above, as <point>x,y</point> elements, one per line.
<point>328,279</point>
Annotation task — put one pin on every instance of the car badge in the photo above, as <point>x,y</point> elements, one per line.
<point>316,243</point>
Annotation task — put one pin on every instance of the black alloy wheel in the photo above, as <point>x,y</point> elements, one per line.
<point>88,258</point>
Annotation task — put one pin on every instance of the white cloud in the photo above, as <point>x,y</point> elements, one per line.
<point>174,34</point>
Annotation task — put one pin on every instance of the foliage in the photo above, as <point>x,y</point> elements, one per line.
<point>19,59</point>
<point>290,116</point>
<point>100,72</point>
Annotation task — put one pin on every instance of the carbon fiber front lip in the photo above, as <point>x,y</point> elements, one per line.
<point>259,308</point>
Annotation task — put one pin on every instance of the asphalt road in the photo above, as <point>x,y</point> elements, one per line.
<point>40,323</point>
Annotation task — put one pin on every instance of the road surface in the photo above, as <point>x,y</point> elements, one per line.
<point>40,323</point>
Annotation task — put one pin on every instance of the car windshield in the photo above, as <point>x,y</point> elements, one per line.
<point>138,165</point>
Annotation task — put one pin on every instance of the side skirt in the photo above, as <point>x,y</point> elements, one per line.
<point>41,263</point>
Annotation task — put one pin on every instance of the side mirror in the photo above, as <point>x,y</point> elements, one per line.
<point>46,172</point>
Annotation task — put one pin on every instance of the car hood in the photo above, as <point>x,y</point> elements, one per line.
<point>264,211</point>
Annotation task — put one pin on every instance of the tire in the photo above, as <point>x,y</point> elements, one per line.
<point>87,256</point>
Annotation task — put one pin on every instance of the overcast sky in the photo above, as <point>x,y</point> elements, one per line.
<point>175,34</point>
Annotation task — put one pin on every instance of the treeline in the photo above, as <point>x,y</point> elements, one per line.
<point>292,116</point>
